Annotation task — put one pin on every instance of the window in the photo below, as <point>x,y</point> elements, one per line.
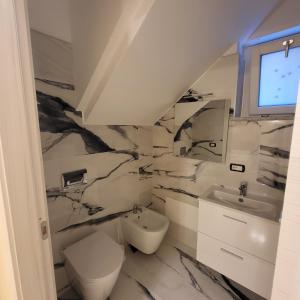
<point>274,76</point>
<point>279,77</point>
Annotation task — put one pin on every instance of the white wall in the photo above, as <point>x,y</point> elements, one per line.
<point>51,17</point>
<point>286,15</point>
<point>7,282</point>
<point>220,79</point>
<point>91,35</point>
<point>52,58</point>
<point>104,31</point>
<point>177,42</point>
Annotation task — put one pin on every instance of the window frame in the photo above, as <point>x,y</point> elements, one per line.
<point>254,76</point>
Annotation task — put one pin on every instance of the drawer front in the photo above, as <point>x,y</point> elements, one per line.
<point>256,236</point>
<point>247,270</point>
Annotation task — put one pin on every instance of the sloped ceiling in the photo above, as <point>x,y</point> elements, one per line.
<point>173,44</point>
<point>285,16</point>
<point>51,18</point>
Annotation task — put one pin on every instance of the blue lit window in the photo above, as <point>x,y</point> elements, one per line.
<point>279,78</point>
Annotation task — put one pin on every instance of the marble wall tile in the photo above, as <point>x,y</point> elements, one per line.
<point>163,131</point>
<point>118,160</point>
<point>275,142</point>
<point>243,137</point>
<point>145,164</point>
<point>249,143</point>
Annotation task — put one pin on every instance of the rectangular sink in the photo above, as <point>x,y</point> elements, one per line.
<point>253,203</point>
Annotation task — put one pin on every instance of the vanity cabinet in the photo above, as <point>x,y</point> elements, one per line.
<point>238,245</point>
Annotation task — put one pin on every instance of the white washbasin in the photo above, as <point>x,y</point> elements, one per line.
<point>145,229</point>
<point>253,203</point>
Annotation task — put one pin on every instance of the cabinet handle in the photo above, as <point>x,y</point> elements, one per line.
<point>235,219</point>
<point>232,254</point>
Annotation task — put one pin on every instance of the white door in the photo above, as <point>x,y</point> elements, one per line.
<point>28,257</point>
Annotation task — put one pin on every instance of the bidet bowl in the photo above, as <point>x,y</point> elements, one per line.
<point>145,229</point>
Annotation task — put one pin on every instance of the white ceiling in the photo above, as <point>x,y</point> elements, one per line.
<point>285,16</point>
<point>51,17</point>
<point>100,39</point>
<point>177,42</point>
<point>135,58</point>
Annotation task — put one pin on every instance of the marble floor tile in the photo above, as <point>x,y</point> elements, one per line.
<point>168,274</point>
<point>69,294</point>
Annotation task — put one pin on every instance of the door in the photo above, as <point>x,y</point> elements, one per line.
<point>22,190</point>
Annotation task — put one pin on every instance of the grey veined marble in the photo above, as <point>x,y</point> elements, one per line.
<point>168,274</point>
<point>117,158</point>
<point>275,142</point>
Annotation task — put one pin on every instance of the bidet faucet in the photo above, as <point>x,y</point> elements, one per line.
<point>136,209</point>
<point>243,188</point>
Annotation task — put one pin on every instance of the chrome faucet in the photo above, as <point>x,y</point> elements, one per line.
<point>243,188</point>
<point>136,209</point>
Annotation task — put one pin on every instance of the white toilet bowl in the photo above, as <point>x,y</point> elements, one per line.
<point>93,265</point>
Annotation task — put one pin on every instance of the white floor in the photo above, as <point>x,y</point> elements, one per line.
<point>170,274</point>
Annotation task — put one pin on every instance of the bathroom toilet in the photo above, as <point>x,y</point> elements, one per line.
<point>93,265</point>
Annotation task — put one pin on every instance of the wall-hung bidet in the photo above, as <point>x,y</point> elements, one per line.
<point>93,265</point>
<point>144,229</point>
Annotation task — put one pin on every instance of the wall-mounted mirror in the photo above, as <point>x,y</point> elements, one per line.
<point>201,129</point>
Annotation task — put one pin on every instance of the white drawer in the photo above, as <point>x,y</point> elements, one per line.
<point>247,270</point>
<point>252,234</point>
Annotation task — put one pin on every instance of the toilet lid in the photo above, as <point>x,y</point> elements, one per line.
<point>95,256</point>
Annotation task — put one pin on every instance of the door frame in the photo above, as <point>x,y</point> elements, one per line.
<point>23,201</point>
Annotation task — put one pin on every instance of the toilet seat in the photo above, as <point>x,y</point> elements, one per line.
<point>94,257</point>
